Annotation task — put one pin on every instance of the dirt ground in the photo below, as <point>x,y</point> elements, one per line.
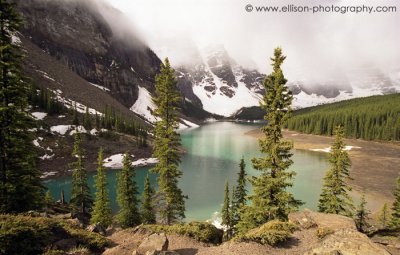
<point>374,165</point>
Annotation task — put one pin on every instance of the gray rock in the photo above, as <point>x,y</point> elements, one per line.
<point>308,219</point>
<point>347,242</point>
<point>154,242</point>
<point>97,228</point>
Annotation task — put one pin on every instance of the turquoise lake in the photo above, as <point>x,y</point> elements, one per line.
<point>213,152</point>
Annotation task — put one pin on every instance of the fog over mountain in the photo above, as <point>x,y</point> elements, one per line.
<point>319,47</point>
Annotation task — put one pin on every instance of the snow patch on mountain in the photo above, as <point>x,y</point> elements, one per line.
<point>144,105</point>
<point>223,105</point>
<point>39,115</point>
<point>116,161</point>
<point>71,104</point>
<point>100,87</point>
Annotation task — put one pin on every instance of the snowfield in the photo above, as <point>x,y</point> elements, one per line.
<point>144,105</point>
<point>39,115</point>
<point>328,149</point>
<point>70,104</point>
<point>72,129</point>
<point>60,129</point>
<point>115,161</point>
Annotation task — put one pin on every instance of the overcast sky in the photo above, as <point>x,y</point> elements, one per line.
<point>316,45</point>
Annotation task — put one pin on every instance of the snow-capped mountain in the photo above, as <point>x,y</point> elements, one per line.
<point>361,82</point>
<point>218,84</point>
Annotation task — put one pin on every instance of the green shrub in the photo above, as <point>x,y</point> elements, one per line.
<point>27,235</point>
<point>24,234</point>
<point>88,239</point>
<point>54,252</point>
<point>272,233</point>
<point>200,231</point>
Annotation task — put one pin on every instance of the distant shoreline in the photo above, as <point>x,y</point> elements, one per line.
<point>375,165</point>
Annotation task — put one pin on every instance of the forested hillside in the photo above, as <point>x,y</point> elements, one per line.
<point>369,118</point>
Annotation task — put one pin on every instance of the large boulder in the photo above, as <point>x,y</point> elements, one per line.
<point>347,242</point>
<point>308,219</point>
<point>97,228</point>
<point>154,242</point>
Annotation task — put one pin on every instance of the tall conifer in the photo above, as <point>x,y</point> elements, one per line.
<point>127,191</point>
<point>334,197</point>
<point>271,199</point>
<point>395,219</point>
<point>147,208</point>
<point>101,209</point>
<point>20,185</point>
<point>226,213</point>
<point>166,146</point>
<point>81,199</point>
<point>239,193</point>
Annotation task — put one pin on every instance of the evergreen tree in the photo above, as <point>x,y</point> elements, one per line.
<point>166,146</point>
<point>48,201</point>
<point>362,215</point>
<point>20,185</point>
<point>81,200</point>
<point>147,208</point>
<point>75,117</point>
<point>239,194</point>
<point>334,197</point>
<point>128,215</point>
<point>271,199</point>
<point>101,209</point>
<point>226,213</point>
<point>384,216</point>
<point>395,219</point>
<point>87,122</point>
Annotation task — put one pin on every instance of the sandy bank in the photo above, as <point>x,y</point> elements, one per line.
<point>375,165</point>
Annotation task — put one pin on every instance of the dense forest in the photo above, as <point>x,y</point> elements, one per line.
<point>369,118</point>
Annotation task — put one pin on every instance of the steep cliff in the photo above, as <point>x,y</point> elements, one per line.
<point>78,35</point>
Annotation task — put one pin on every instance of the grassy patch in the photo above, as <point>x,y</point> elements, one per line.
<point>271,233</point>
<point>34,235</point>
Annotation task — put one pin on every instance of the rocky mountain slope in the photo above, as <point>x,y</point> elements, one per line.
<point>82,50</point>
<point>77,34</point>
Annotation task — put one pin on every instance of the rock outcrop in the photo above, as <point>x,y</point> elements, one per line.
<point>153,244</point>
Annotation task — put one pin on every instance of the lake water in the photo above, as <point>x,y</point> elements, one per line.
<point>213,152</point>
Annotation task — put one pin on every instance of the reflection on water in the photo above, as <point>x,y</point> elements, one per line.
<point>213,152</point>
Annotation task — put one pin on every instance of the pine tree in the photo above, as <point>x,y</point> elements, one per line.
<point>20,185</point>
<point>48,201</point>
<point>147,208</point>
<point>75,117</point>
<point>166,146</point>
<point>334,197</point>
<point>239,194</point>
<point>384,216</point>
<point>226,213</point>
<point>395,218</point>
<point>127,191</point>
<point>81,200</point>
<point>101,209</point>
<point>87,122</point>
<point>271,199</point>
<point>362,215</point>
